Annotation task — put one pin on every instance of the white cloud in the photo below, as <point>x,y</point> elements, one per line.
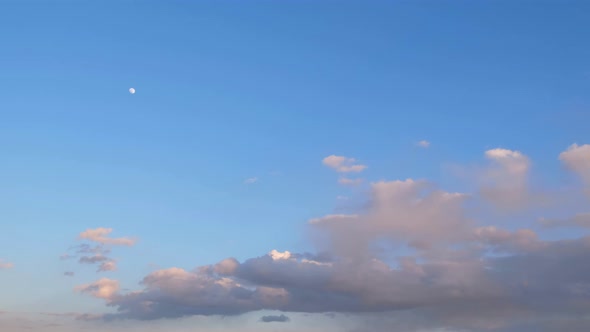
<point>423,144</point>
<point>251,180</point>
<point>277,255</point>
<point>100,235</point>
<point>343,164</point>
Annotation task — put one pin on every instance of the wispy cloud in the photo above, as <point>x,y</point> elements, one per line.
<point>251,180</point>
<point>274,319</point>
<point>4,265</point>
<point>100,235</point>
<point>343,164</point>
<point>423,144</point>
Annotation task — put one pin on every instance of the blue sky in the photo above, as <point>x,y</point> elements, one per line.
<point>232,90</point>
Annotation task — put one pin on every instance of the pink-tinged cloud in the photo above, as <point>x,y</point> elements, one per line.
<point>343,164</point>
<point>100,235</point>
<point>103,288</point>
<point>459,270</point>
<point>577,159</point>
<point>578,220</point>
<point>4,265</point>
<point>505,181</point>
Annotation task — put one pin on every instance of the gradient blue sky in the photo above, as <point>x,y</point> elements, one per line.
<point>231,90</point>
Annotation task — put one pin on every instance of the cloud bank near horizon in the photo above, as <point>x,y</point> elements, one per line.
<point>456,271</point>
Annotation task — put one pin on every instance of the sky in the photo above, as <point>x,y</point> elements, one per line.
<point>294,166</point>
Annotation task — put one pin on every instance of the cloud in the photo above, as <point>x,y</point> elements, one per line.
<point>251,180</point>
<point>107,266</point>
<point>333,218</point>
<point>350,182</point>
<point>4,265</point>
<point>343,164</point>
<point>277,319</point>
<point>577,159</point>
<point>505,181</point>
<point>88,249</point>
<point>100,235</point>
<point>103,288</point>
<point>425,257</point>
<point>69,274</point>
<point>423,144</point>
<point>579,220</point>
<point>92,259</point>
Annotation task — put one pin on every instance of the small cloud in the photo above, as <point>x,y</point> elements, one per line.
<point>276,319</point>
<point>92,259</point>
<point>100,235</point>
<point>5,265</point>
<point>423,144</point>
<point>333,218</point>
<point>102,289</point>
<point>350,182</point>
<point>343,164</point>
<point>342,198</point>
<point>88,249</point>
<point>251,180</point>
<point>69,274</point>
<point>107,266</point>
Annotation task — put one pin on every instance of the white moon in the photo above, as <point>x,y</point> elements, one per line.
<point>132,91</point>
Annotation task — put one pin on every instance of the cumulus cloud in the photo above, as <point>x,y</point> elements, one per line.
<point>505,181</point>
<point>423,144</point>
<point>4,265</point>
<point>577,159</point>
<point>415,252</point>
<point>251,180</point>
<point>272,318</point>
<point>100,235</point>
<point>69,274</point>
<point>343,164</point>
